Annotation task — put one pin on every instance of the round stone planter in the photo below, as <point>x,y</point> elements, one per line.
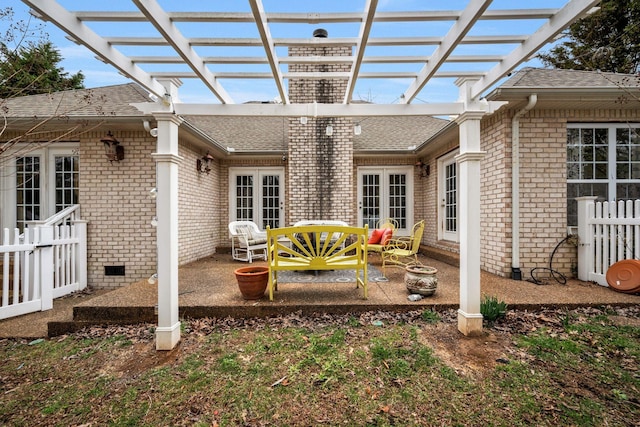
<point>421,279</point>
<point>252,281</point>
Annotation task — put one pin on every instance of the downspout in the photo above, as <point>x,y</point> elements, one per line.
<point>516,274</point>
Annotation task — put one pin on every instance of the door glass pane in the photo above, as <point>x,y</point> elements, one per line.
<point>398,199</point>
<point>27,190</point>
<point>244,198</point>
<point>370,200</point>
<point>270,201</point>
<point>627,154</point>
<point>450,198</point>
<point>67,179</point>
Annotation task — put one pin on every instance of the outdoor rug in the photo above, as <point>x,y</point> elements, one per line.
<point>328,276</point>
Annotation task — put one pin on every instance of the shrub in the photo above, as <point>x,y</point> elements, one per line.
<point>492,309</point>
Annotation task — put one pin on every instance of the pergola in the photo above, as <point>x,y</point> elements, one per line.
<point>465,47</point>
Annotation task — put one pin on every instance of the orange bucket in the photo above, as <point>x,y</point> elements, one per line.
<point>624,276</point>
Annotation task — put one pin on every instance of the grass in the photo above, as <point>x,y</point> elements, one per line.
<point>583,371</point>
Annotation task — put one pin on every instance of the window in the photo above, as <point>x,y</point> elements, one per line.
<point>28,190</point>
<point>39,184</point>
<point>66,181</point>
<point>257,195</point>
<point>384,193</point>
<point>603,160</point>
<point>448,195</point>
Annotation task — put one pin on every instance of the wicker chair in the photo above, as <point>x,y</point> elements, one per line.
<point>247,241</point>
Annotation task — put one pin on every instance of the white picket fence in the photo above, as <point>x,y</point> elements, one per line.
<point>608,232</point>
<point>47,261</point>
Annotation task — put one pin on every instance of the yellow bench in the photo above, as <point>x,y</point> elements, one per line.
<point>317,247</point>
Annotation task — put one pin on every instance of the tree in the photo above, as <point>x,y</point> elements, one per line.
<point>29,67</point>
<point>606,40</point>
<point>33,69</point>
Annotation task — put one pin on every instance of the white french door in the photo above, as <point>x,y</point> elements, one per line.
<point>257,195</point>
<point>39,184</point>
<point>448,195</point>
<point>386,192</point>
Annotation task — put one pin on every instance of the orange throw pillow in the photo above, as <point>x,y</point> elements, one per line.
<point>386,236</point>
<point>376,236</point>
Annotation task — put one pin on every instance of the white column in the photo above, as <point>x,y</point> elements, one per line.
<point>167,160</point>
<point>469,317</point>
<point>586,209</point>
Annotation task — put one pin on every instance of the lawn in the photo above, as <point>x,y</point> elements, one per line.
<point>552,367</point>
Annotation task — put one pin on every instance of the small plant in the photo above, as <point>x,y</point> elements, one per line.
<point>492,309</point>
<point>430,316</point>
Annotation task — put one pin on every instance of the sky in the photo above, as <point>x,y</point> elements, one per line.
<point>97,73</point>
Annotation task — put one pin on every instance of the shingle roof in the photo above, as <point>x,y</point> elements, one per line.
<point>541,78</point>
<point>101,101</point>
<point>394,133</point>
<point>244,133</point>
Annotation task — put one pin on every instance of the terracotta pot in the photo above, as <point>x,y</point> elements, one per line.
<point>252,281</point>
<point>421,279</point>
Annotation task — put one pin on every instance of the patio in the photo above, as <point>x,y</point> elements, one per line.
<point>208,289</point>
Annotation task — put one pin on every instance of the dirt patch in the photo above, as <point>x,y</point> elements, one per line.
<point>469,356</point>
<point>141,357</point>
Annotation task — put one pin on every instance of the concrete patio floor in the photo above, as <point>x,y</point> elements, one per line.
<point>208,289</point>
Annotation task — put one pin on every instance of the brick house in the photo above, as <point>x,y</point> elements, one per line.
<point>277,170</point>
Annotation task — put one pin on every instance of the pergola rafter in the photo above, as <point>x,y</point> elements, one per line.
<point>154,13</point>
<point>456,33</point>
<point>498,54</point>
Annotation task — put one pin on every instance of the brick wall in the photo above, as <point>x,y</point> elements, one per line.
<point>495,222</point>
<point>114,199</point>
<point>542,187</point>
<point>200,199</point>
<point>320,182</point>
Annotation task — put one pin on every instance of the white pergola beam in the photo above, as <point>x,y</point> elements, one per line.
<point>316,18</point>
<point>260,19</point>
<point>456,33</point>
<point>92,41</point>
<point>315,59</point>
<point>337,75</point>
<point>363,37</point>
<point>319,110</point>
<point>157,16</point>
<point>286,42</point>
<point>558,22</point>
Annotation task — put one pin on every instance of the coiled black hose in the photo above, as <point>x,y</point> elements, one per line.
<point>559,277</point>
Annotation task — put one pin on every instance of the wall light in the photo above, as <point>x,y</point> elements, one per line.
<point>329,130</point>
<point>357,129</point>
<point>425,168</point>
<point>203,165</point>
<point>303,120</point>
<point>112,148</point>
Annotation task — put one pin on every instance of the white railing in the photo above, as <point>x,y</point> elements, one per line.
<point>608,232</point>
<point>47,261</point>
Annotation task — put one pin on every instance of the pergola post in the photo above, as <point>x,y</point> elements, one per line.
<point>469,317</point>
<point>469,158</point>
<point>167,160</point>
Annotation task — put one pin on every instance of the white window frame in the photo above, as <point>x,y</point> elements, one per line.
<point>8,201</point>
<point>611,181</point>
<point>385,172</point>
<point>443,233</point>
<point>257,174</point>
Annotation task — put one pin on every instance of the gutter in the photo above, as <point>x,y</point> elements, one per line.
<point>516,274</point>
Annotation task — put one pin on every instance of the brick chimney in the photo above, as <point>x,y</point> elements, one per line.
<point>320,165</point>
